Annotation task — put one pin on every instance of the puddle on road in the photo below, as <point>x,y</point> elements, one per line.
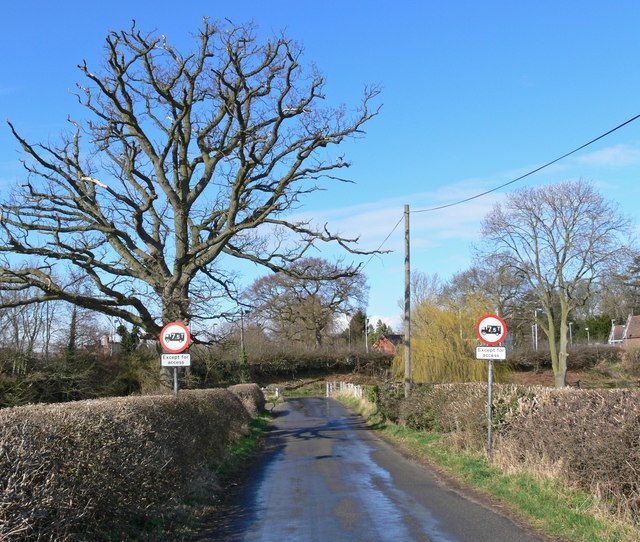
<point>395,515</point>
<point>323,483</point>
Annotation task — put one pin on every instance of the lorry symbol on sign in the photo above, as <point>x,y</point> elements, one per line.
<point>491,330</point>
<point>174,337</point>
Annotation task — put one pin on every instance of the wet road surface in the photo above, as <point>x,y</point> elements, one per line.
<point>324,476</point>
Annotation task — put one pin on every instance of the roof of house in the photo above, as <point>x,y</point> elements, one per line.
<point>617,333</point>
<point>632,330</point>
<point>626,332</point>
<point>391,341</point>
<point>394,338</point>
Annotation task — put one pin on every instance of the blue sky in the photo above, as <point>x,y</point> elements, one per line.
<point>473,95</point>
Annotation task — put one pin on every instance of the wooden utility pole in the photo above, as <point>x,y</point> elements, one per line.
<point>407,305</point>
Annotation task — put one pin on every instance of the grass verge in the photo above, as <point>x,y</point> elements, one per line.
<point>244,447</point>
<point>304,388</point>
<point>547,506</point>
<point>194,513</point>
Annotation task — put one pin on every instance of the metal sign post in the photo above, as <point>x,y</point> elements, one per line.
<point>174,339</point>
<point>175,381</point>
<point>490,409</point>
<point>491,330</point>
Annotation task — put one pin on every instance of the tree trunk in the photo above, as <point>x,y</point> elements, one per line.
<point>558,353</point>
<point>560,375</point>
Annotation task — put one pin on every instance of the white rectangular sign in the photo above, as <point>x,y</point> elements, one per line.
<point>491,352</point>
<point>176,360</point>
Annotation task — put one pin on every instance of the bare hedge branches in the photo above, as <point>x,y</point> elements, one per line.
<point>588,438</point>
<point>90,470</point>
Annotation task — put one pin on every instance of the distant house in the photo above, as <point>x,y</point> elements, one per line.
<point>387,343</point>
<point>616,335</point>
<point>110,344</point>
<point>626,335</point>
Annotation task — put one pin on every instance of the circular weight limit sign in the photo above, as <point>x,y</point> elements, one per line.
<point>175,337</point>
<point>491,329</point>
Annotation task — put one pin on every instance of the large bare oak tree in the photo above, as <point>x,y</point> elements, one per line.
<point>560,239</point>
<point>184,163</point>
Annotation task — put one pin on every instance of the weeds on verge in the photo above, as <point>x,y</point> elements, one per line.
<point>194,512</point>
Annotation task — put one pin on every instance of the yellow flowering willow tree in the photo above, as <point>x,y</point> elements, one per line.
<point>443,340</point>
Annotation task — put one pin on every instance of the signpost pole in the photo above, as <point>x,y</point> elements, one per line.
<point>490,410</point>
<point>407,304</point>
<point>175,381</point>
<point>491,330</point>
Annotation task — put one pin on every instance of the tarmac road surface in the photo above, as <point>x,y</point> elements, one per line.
<point>323,476</point>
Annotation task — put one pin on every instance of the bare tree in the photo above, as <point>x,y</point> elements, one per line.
<point>423,287</point>
<point>620,294</point>
<point>501,286</point>
<point>506,292</point>
<point>561,239</point>
<point>79,329</point>
<point>304,303</point>
<point>27,329</point>
<point>187,162</point>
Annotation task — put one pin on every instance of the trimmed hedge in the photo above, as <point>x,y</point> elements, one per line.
<point>296,364</point>
<point>590,437</point>
<point>209,369</point>
<point>251,396</point>
<point>578,358</point>
<point>92,469</point>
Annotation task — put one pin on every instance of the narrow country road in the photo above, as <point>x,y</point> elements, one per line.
<point>324,476</point>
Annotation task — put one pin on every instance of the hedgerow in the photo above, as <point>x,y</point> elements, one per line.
<point>578,358</point>
<point>251,396</point>
<point>93,469</point>
<point>209,368</point>
<point>589,437</point>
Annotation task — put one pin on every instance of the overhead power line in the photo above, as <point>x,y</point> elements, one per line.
<point>479,195</point>
<point>377,251</point>
<point>529,173</point>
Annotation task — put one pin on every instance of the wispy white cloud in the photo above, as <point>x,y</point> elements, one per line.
<point>374,221</point>
<point>615,156</point>
<point>441,240</point>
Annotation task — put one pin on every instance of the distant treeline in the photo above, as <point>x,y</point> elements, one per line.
<point>86,374</point>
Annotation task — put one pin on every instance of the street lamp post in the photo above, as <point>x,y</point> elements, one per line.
<point>348,315</point>
<point>366,334</point>
<point>588,337</point>
<point>242,352</point>
<point>535,329</point>
<point>613,331</point>
<point>533,336</point>
<point>570,335</point>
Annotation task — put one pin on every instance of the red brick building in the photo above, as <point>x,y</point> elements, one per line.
<point>387,344</point>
